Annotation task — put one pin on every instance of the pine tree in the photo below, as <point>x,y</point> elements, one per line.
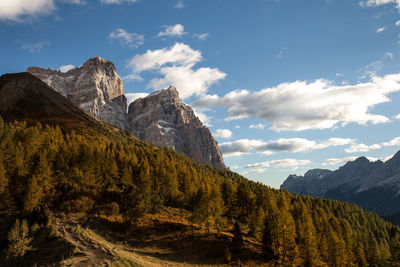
<point>268,242</point>
<point>19,239</point>
<point>237,240</point>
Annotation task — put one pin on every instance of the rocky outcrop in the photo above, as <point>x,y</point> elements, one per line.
<point>95,87</point>
<point>373,185</point>
<point>164,120</point>
<point>161,118</point>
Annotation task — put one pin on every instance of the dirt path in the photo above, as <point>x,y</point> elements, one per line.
<point>97,251</point>
<point>92,255</point>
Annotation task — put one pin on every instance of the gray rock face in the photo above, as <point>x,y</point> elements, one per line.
<point>373,185</point>
<point>164,120</point>
<point>95,87</point>
<point>161,118</point>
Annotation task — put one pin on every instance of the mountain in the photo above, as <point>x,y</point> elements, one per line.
<point>372,185</point>
<point>164,120</point>
<point>24,97</point>
<point>83,199</point>
<point>95,87</point>
<point>161,118</point>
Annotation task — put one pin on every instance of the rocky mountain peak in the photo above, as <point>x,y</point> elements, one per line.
<point>169,95</point>
<point>161,118</point>
<point>317,173</point>
<point>164,120</point>
<point>95,87</point>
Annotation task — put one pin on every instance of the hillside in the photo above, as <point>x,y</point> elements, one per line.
<point>47,176</point>
<point>23,97</point>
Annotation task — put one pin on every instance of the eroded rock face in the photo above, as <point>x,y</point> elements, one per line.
<point>161,118</point>
<point>95,87</point>
<point>164,120</point>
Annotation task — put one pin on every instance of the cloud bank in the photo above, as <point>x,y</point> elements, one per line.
<point>292,145</point>
<point>303,105</point>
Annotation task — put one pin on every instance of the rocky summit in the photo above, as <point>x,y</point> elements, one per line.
<point>95,87</point>
<point>161,118</point>
<point>164,120</point>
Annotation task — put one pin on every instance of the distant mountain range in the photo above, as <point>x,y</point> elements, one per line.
<point>161,118</point>
<point>372,185</point>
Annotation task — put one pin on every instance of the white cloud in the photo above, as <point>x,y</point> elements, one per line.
<point>238,126</point>
<point>74,2</point>
<point>260,170</point>
<point>292,145</point>
<point>370,70</point>
<point>66,68</point>
<point>118,2</point>
<point>223,133</point>
<point>240,147</point>
<point>179,54</point>
<point>130,97</point>
<point>397,117</point>
<point>397,23</point>
<point>356,148</point>
<point>389,55</point>
<point>127,39</point>
<point>380,2</point>
<point>21,10</point>
<point>302,145</point>
<point>380,29</point>
<point>394,142</point>
<point>176,65</point>
<point>335,161</point>
<point>132,77</point>
<point>201,36</point>
<point>280,163</point>
<point>180,4</point>
<point>35,47</point>
<point>259,126</point>
<point>303,105</point>
<point>266,153</point>
<point>187,81</point>
<point>172,30</point>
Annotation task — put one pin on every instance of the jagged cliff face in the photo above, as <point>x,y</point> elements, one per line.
<point>95,87</point>
<point>164,120</point>
<point>161,119</point>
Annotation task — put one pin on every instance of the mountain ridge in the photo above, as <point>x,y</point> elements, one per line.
<point>372,185</point>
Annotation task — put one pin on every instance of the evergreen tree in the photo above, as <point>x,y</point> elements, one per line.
<point>19,239</point>
<point>237,240</point>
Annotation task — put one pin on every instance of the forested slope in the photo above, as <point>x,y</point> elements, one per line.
<point>46,169</point>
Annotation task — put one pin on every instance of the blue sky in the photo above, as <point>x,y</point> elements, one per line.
<point>284,85</point>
